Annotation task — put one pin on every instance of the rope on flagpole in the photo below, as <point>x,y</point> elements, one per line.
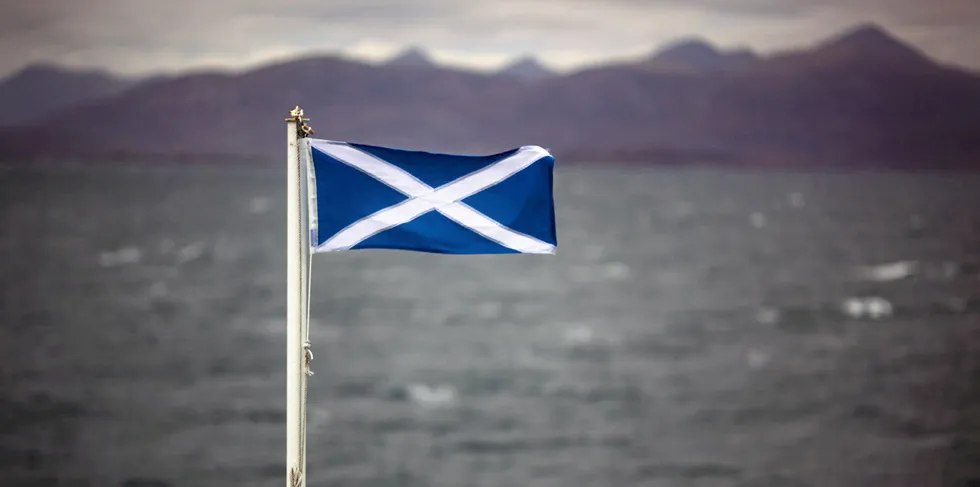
<point>299,356</point>
<point>304,130</point>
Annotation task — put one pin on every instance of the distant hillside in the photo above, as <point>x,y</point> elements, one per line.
<point>526,68</point>
<point>413,57</point>
<point>860,99</point>
<point>698,55</point>
<point>41,89</point>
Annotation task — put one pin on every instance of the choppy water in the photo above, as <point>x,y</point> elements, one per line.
<point>696,328</point>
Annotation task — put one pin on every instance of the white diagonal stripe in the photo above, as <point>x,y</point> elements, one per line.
<point>390,174</point>
<point>490,228</point>
<point>494,173</point>
<point>377,222</point>
<point>423,198</point>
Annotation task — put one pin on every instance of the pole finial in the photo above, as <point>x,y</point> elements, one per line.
<point>302,128</point>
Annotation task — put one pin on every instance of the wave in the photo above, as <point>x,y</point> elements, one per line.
<point>121,257</point>
<point>888,272</point>
<point>440,395</point>
<point>871,307</point>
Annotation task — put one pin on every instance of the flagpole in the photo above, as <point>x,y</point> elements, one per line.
<point>297,268</point>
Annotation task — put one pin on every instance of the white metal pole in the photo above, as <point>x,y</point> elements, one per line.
<point>305,276</point>
<point>294,306</point>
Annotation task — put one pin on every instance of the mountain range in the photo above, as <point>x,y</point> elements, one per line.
<point>862,98</point>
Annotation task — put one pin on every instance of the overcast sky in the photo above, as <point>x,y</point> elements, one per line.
<point>148,36</point>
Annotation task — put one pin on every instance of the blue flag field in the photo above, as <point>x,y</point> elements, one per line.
<point>367,197</point>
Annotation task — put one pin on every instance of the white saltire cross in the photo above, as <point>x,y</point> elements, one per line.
<point>422,198</point>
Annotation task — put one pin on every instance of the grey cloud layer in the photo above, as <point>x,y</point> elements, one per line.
<point>139,35</point>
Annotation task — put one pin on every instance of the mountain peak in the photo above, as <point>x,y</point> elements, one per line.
<point>527,68</point>
<point>697,54</point>
<point>412,56</point>
<point>870,41</point>
<point>687,51</point>
<point>867,33</point>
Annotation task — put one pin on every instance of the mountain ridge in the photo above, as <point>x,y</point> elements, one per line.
<point>859,99</point>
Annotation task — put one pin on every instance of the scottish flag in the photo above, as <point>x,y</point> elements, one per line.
<point>367,197</point>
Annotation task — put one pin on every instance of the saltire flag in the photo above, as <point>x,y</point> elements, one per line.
<point>369,197</point>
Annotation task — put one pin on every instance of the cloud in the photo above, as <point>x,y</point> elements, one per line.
<point>740,8</point>
<point>144,36</point>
